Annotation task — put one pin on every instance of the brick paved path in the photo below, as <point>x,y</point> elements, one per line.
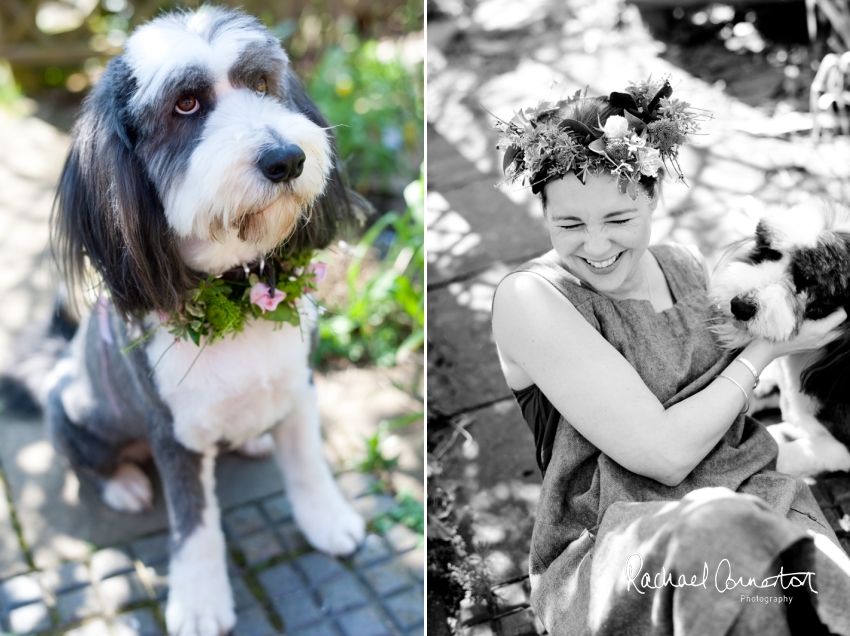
<point>279,582</point>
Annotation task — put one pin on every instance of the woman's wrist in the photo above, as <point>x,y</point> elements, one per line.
<point>761,352</point>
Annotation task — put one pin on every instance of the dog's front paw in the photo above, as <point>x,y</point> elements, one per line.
<point>204,609</point>
<point>329,523</point>
<point>128,490</point>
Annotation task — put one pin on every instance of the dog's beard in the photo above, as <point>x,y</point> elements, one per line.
<point>779,309</point>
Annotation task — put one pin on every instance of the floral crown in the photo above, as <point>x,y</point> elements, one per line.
<point>541,144</point>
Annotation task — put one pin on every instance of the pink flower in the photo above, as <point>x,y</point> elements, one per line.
<point>319,271</point>
<point>260,297</point>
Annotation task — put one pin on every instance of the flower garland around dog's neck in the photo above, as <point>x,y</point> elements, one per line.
<point>541,144</point>
<point>221,306</point>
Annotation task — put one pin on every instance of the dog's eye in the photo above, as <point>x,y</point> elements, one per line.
<point>260,85</point>
<point>187,105</point>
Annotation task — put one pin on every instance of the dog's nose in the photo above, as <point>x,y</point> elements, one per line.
<point>743,309</point>
<point>282,163</point>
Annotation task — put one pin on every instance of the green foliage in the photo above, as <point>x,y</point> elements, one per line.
<point>383,318</point>
<point>408,512</point>
<point>375,101</point>
<point>375,461</point>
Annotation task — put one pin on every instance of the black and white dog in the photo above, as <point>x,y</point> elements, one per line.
<point>796,268</point>
<point>198,151</point>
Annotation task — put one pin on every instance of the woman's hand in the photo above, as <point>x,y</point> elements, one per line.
<point>813,334</point>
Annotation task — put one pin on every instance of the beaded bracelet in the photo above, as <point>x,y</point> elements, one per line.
<point>746,397</point>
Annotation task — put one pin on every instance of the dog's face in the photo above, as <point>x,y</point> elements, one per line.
<point>798,268</point>
<point>198,150</point>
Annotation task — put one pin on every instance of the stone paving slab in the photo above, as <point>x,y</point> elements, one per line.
<point>466,224</point>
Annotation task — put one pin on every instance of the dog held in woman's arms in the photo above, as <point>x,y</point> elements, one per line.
<point>198,163</point>
<point>796,267</point>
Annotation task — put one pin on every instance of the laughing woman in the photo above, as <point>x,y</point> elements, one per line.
<point>660,501</point>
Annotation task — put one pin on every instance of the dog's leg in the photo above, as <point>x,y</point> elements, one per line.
<point>258,447</point>
<point>806,447</point>
<point>326,518</point>
<point>200,601</point>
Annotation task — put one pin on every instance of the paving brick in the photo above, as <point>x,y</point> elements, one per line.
<point>292,537</point>
<point>356,484</point>
<point>140,622</point>
<point>158,576</point>
<point>21,590</point>
<point>243,521</point>
<point>281,580</point>
<point>109,562</point>
<point>260,547</point>
<point>278,508</point>
<point>519,624</point>
<point>66,577</point>
<point>387,578</point>
<point>342,593</point>
<point>324,628</point>
<point>298,610</point>
<point>122,590</point>
<point>365,621</point>
<point>30,619</point>
<point>95,628</point>
<point>252,621</point>
<point>373,550</point>
<point>402,538</point>
<point>78,604</point>
<point>406,609</point>
<point>372,506</point>
<point>414,562</point>
<point>242,596</point>
<point>151,550</point>
<point>317,567</point>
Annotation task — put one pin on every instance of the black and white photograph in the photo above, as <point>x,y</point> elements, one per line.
<point>212,319</point>
<point>638,354</point>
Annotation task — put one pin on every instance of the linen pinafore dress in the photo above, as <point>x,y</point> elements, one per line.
<point>594,516</point>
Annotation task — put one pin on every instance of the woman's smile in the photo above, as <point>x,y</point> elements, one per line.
<point>603,266</point>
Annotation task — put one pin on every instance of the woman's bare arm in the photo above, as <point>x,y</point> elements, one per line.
<point>541,335</point>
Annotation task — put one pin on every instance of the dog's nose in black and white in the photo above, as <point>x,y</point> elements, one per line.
<point>743,309</point>
<point>282,163</point>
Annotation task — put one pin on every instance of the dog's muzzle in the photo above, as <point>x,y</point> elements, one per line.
<point>282,163</point>
<point>743,308</point>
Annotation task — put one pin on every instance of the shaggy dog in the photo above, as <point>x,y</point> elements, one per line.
<point>797,268</point>
<point>197,154</point>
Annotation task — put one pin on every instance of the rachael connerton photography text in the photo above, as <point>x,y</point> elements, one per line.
<point>723,578</point>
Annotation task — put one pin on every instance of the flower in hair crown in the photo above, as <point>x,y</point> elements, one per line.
<point>541,143</point>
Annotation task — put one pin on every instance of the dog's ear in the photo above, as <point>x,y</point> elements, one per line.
<point>338,211</point>
<point>828,376</point>
<point>108,212</point>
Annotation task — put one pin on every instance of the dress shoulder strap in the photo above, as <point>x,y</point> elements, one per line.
<point>571,287</point>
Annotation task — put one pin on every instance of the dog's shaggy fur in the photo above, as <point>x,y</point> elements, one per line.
<point>796,268</point>
<point>198,151</point>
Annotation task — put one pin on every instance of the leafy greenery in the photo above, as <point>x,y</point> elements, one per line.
<point>383,319</point>
<point>375,101</point>
<point>408,512</point>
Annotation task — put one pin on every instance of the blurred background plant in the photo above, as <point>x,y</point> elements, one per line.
<point>362,61</point>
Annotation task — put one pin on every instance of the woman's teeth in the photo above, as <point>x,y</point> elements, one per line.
<point>601,264</point>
